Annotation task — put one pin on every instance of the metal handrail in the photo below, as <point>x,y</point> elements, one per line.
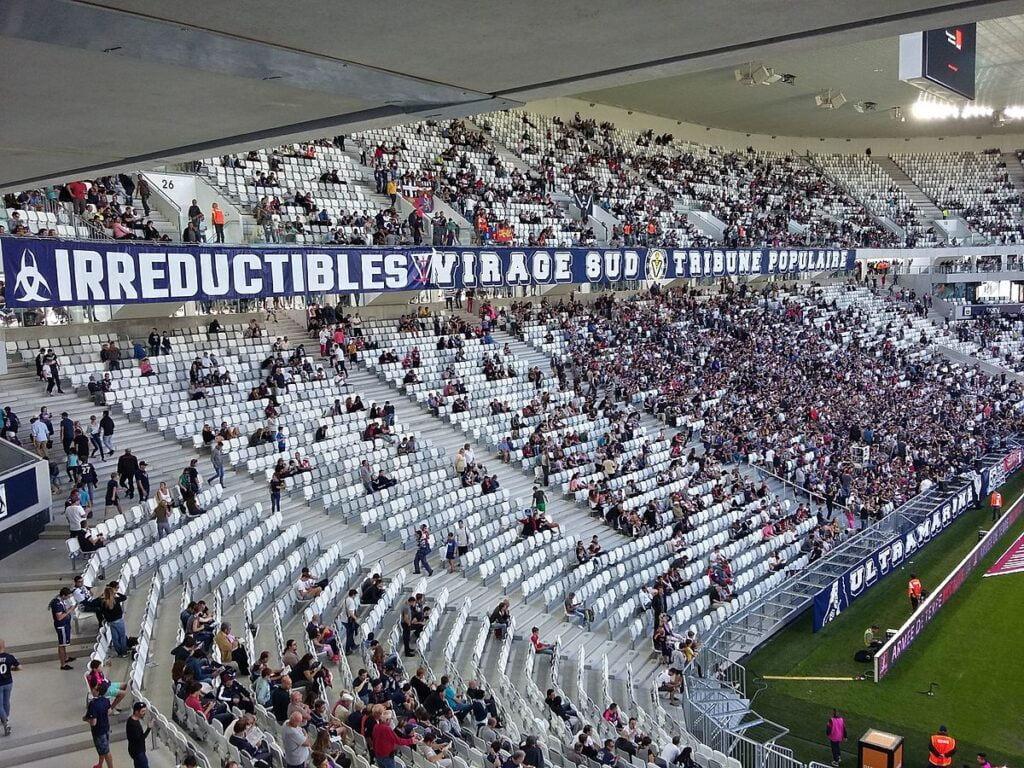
<point>796,488</point>
<point>725,737</point>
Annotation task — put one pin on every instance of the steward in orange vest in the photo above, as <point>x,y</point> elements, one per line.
<point>995,500</point>
<point>915,591</point>
<point>941,748</point>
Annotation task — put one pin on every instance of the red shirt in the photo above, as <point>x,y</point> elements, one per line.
<point>386,741</point>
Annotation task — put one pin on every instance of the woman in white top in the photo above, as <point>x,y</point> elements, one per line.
<point>163,494</point>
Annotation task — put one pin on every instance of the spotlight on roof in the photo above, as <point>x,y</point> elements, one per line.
<point>830,99</point>
<point>865,106</point>
<point>754,73</point>
<point>896,113</point>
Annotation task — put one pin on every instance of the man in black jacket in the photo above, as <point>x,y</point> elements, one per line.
<point>154,343</point>
<point>127,469</point>
<point>280,699</point>
<point>137,734</point>
<point>107,429</point>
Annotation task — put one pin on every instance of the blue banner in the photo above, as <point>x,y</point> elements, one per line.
<point>43,272</point>
<point>835,598</point>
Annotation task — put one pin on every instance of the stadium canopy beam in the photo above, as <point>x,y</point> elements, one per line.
<point>109,85</point>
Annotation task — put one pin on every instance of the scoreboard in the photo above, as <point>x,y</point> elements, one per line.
<point>941,61</point>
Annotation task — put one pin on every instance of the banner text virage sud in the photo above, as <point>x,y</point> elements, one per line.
<point>41,272</point>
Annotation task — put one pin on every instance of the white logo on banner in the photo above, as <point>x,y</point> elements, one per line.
<point>834,605</point>
<point>657,264</point>
<point>3,501</point>
<point>29,280</point>
<point>423,263</point>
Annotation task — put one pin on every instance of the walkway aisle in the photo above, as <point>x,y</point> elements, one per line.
<point>46,567</point>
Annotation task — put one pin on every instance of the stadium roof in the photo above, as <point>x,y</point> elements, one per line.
<point>114,84</point>
<point>862,71</point>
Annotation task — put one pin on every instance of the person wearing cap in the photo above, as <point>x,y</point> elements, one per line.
<point>142,481</point>
<point>137,734</point>
<point>233,694</point>
<point>941,748</point>
<point>61,609</point>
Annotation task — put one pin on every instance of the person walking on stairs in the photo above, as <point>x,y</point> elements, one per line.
<point>8,665</point>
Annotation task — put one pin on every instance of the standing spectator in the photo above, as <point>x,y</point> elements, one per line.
<point>78,191</point>
<point>127,467</point>
<point>111,613</point>
<point>422,550</point>
<point>61,609</point>
<point>365,476</point>
<point>276,486</point>
<point>407,625</point>
<point>111,499</point>
<point>450,551</point>
<point>384,741</point>
<point>188,481</point>
<point>142,481</point>
<point>67,432</point>
<point>128,185</point>
<point>40,436</point>
<point>217,460</point>
<point>137,734</point>
<point>107,430</point>
<point>217,217</point>
<point>162,516</point>
<point>8,664</point>
<point>95,434</point>
<point>142,187</point>
<point>351,621</point>
<point>195,214</point>
<point>295,742</point>
<point>51,372</point>
<point>97,714</point>
<point>836,730</point>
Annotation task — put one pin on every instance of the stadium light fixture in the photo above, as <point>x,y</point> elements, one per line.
<point>934,109</point>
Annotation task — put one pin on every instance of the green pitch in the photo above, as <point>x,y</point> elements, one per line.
<point>973,649</point>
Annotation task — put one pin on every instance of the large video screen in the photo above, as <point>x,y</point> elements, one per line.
<point>949,58</point>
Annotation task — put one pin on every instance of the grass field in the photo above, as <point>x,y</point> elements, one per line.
<point>974,650</point>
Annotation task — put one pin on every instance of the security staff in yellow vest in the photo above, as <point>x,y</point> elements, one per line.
<point>995,500</point>
<point>941,748</point>
<point>915,591</point>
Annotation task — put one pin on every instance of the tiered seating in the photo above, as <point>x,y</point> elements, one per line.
<point>970,184</point>
<point>299,169</point>
<point>756,194</point>
<point>879,194</point>
<point>465,170</point>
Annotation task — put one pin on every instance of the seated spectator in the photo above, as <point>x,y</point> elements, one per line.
<point>499,618</point>
<point>308,586</point>
<point>577,609</point>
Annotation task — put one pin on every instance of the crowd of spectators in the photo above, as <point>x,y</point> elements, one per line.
<point>106,206</point>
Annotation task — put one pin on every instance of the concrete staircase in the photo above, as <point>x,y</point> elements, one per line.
<point>927,211</point>
<point>48,569</point>
<point>1014,170</point>
<point>160,219</point>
